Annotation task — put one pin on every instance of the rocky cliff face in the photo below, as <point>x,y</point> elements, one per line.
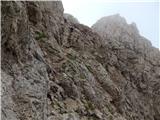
<point>55,69</point>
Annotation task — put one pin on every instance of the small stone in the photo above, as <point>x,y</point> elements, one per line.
<point>98,113</point>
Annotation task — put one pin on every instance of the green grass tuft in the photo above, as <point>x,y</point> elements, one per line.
<point>40,35</point>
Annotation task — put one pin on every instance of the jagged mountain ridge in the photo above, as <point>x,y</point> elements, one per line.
<point>54,69</point>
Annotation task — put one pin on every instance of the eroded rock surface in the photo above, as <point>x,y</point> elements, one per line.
<point>133,64</point>
<point>55,69</point>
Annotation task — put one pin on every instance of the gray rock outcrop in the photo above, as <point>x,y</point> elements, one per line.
<point>53,69</point>
<point>133,63</point>
<point>70,18</point>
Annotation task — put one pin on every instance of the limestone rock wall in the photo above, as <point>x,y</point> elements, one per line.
<point>54,69</point>
<point>133,62</point>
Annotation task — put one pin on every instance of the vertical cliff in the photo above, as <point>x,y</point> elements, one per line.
<point>54,68</point>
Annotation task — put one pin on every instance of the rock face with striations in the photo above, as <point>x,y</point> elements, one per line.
<point>55,69</point>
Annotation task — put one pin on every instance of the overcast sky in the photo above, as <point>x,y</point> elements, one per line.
<point>145,13</point>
